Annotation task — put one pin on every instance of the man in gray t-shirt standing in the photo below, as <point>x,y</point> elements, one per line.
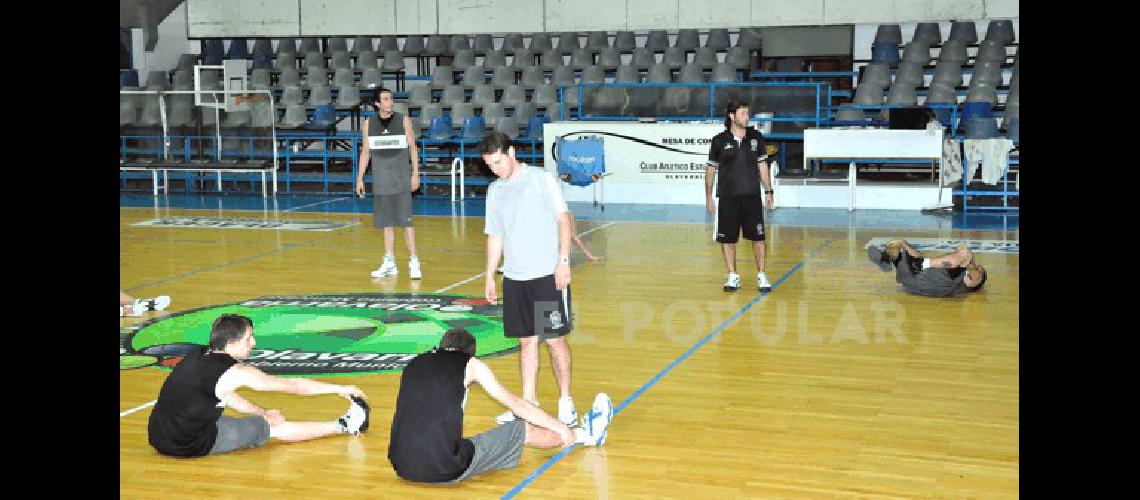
<point>527,217</point>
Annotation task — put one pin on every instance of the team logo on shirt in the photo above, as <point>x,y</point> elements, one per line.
<point>323,334</point>
<point>556,320</point>
<point>755,145</point>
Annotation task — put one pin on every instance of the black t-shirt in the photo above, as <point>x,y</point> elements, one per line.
<point>427,442</point>
<point>184,420</point>
<point>737,173</point>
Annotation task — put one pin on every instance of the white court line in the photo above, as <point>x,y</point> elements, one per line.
<point>468,280</point>
<point>137,408</point>
<point>317,203</point>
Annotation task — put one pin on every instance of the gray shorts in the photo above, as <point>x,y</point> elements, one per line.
<point>392,210</point>
<point>240,433</point>
<point>498,448</point>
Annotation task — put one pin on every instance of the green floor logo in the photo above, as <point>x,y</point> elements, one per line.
<point>337,334</point>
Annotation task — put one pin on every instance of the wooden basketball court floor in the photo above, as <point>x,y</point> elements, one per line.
<point>834,384</point>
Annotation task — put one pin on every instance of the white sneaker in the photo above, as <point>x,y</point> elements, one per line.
<point>387,268</point>
<point>733,282</point>
<point>356,420</point>
<point>567,414</point>
<point>138,308</point>
<point>762,282</point>
<point>161,302</point>
<point>597,422</point>
<point>414,269</point>
<point>509,416</point>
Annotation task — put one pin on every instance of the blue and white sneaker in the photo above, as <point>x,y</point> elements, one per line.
<point>595,424</point>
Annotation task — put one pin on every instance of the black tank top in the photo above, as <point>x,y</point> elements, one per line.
<point>184,420</point>
<point>427,442</point>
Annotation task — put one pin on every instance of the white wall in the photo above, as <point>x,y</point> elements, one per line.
<point>347,17</point>
<point>233,18</point>
<point>172,42</point>
<point>502,16</point>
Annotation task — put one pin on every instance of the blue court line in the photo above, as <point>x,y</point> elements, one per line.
<point>283,247</point>
<point>636,394</point>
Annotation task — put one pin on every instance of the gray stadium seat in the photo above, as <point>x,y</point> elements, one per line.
<point>509,126</point>
<point>437,45</point>
<point>340,60</point>
<point>625,41</point>
<point>292,95</point>
<point>474,76</point>
<point>393,61</point>
<point>321,94</point>
<point>295,117</point>
<point>889,33</point>
<point>316,77</point>
<point>459,42</point>
<point>551,59</point>
<point>545,96</point>
<point>749,38</point>
<point>691,73</point>
<point>643,58</point>
<point>928,33</point>
<point>569,41</point>
<point>657,41</point>
<point>717,39</point>
<point>902,94</point>
<point>483,94</point>
<point>452,94</point>
<point>540,42</point>
<point>310,45</point>
<point>349,97</point>
<point>609,58</point>
<point>419,94</point>
<point>513,95</point>
<point>916,52</point>
<point>372,79</point>
<point>503,76</point>
<point>289,77</point>
<point>484,43</point>
<point>1000,30</point>
<point>522,59</point>
<point>388,42</point>
<point>366,60</point>
<point>597,40</point>
<point>459,112</point>
<point>464,58</point>
<point>495,58</point>
<point>259,79</point>
<point>492,112</point>
<point>314,60</point>
<point>687,39</point>
<point>336,44</point>
<point>953,50</point>
<point>964,31</point>
<point>675,57</point>
<point>413,47</point>
<point>525,111</point>
<point>947,72</point>
<point>627,74</point>
<point>442,76</point>
<point>531,77</point>
<point>362,43</point>
<point>705,58</point>
<point>512,42</point>
<point>286,46</point>
<point>581,58</point>
<point>343,77</point>
<point>660,73</point>
<point>724,72</point>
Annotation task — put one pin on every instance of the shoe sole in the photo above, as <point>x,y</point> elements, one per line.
<point>731,288</point>
<point>876,255</point>
<point>382,275</point>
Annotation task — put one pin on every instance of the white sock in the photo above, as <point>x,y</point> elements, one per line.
<point>582,437</point>
<point>926,263</point>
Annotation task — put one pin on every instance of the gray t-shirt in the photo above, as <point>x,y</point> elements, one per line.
<point>523,211</point>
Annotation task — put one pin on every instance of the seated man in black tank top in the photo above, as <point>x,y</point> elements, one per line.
<point>943,276</point>
<point>427,443</point>
<point>187,419</point>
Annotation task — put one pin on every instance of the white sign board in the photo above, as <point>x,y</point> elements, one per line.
<point>660,163</point>
<point>387,142</point>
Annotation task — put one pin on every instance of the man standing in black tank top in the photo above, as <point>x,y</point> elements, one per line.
<point>389,145</point>
<point>427,443</point>
<point>187,419</point>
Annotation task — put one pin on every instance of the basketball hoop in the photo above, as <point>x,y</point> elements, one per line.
<point>250,98</point>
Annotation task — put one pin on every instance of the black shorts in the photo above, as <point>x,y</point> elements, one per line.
<point>736,213</point>
<point>535,307</point>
